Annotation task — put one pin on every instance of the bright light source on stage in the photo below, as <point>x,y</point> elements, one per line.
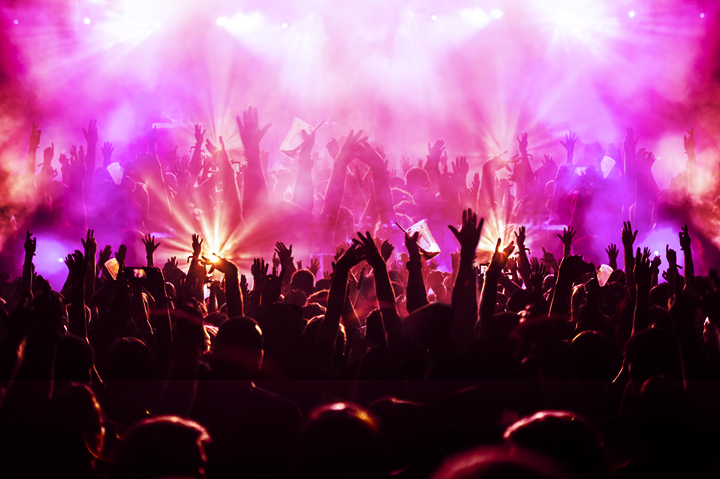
<point>60,260</point>
<point>475,17</point>
<point>496,12</point>
<point>702,15</point>
<point>15,22</point>
<point>631,14</point>
<point>157,24</point>
<point>86,21</point>
<point>434,17</point>
<point>284,26</point>
<point>222,21</point>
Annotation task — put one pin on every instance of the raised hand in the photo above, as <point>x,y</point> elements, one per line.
<point>197,243</point>
<point>435,153</point>
<point>153,134</point>
<point>523,143</point>
<point>520,238</point>
<point>538,274</point>
<point>630,144</point>
<point>90,245</point>
<point>500,257</point>
<point>368,249</point>
<point>314,266</point>
<point>370,156</point>
<point>628,236</point>
<point>150,247</point>
<point>107,151</point>
<point>460,166</point>
<point>684,238</point>
<point>352,256</point>
<point>671,257</point>
<point>567,238</point>
<point>30,245</point>
<point>284,254</point>
<point>35,137</point>
<point>475,187</point>
<point>333,147</point>
<point>221,264</point>
<point>569,143</point>
<point>91,134</point>
<point>121,254</point>
<point>199,135</point>
<point>612,253</point>
<point>171,263</point>
<point>77,267</point>
<point>642,271</point>
<point>250,131</point>
<point>307,145</point>
<point>405,164</point>
<point>351,146</point>
<point>212,149</point>
<point>49,153</point>
<point>104,255</point>
<point>258,270</point>
<point>411,243</point>
<point>689,142</point>
<point>469,234</point>
<point>386,250</point>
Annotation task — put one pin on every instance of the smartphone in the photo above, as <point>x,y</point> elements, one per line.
<point>136,274</point>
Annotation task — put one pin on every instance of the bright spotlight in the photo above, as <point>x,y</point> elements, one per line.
<point>284,25</point>
<point>15,22</point>
<point>702,15</point>
<point>60,260</point>
<point>157,24</point>
<point>222,21</point>
<point>434,17</point>
<point>496,12</point>
<point>86,21</point>
<point>631,14</point>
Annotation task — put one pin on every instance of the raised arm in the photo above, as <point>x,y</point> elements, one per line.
<point>567,239</point>
<point>642,274</point>
<point>32,150</point>
<point>327,332</point>
<point>77,269</point>
<point>91,136</point>
<point>255,190</point>
<point>488,297</point>
<point>381,184</point>
<point>416,293</point>
<point>570,269</point>
<point>569,145</point>
<point>303,191</point>
<point>524,262</point>
<point>687,253</point>
<point>28,267</point>
<point>336,184</point>
<point>383,288</point>
<point>612,253</point>
<point>90,246</point>
<point>150,247</point>
<point>196,162</point>
<point>233,297</point>
<point>464,296</point>
<point>628,239</point>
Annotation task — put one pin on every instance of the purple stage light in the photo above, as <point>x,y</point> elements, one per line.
<point>496,12</point>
